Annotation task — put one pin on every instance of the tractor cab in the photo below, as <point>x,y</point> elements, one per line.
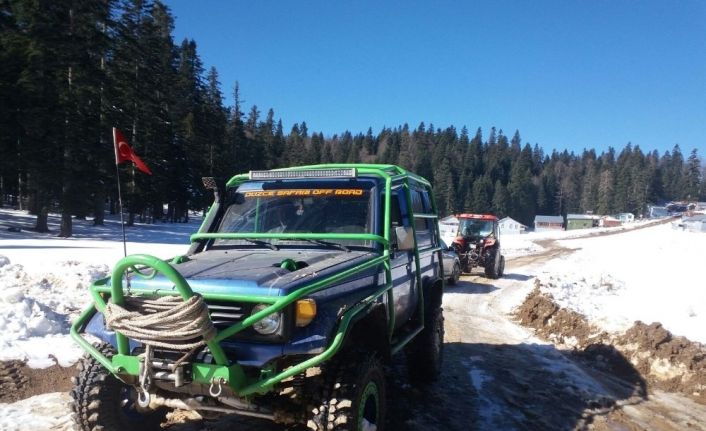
<point>477,244</point>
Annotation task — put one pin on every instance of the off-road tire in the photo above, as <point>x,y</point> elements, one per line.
<point>468,267</point>
<point>425,354</point>
<point>97,400</point>
<point>354,391</point>
<point>501,269</point>
<point>492,266</point>
<point>455,274</point>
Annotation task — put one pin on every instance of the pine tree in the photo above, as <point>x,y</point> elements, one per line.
<point>692,176</point>
<point>589,185</point>
<point>674,174</point>
<point>605,192</point>
<point>501,200</point>
<point>216,123</point>
<point>237,141</point>
<point>41,70</point>
<point>482,195</point>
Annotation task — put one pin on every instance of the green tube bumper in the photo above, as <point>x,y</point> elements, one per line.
<point>126,366</point>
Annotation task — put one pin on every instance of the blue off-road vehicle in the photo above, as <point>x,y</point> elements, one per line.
<point>300,284</point>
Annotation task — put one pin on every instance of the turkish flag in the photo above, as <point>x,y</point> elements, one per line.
<point>124,153</point>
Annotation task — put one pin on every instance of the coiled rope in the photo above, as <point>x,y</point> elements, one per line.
<point>168,322</point>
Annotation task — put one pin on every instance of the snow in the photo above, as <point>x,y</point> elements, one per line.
<point>652,274</point>
<point>24,414</point>
<point>44,279</point>
<point>520,244</point>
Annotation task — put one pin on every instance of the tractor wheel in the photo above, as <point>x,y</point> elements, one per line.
<point>455,274</point>
<point>102,402</point>
<point>492,265</point>
<point>425,354</point>
<point>501,269</point>
<point>468,267</point>
<point>353,397</point>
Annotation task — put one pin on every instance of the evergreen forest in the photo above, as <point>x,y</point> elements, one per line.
<point>70,70</point>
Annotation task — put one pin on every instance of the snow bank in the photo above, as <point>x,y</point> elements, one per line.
<point>520,245</point>
<point>653,275</point>
<point>36,310</point>
<point>44,279</point>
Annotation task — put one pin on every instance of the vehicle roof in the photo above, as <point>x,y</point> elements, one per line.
<point>380,170</point>
<point>548,219</point>
<point>477,216</point>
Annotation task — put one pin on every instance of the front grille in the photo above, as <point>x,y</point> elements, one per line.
<point>225,313</point>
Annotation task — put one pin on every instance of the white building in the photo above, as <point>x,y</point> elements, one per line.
<point>626,217</point>
<point>448,228</point>
<point>510,226</point>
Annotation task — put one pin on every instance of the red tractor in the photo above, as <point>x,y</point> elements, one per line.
<point>477,244</point>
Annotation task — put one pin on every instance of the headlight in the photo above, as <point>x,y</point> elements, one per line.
<point>270,324</point>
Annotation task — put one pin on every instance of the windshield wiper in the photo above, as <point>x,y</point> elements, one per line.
<point>321,242</point>
<point>265,243</point>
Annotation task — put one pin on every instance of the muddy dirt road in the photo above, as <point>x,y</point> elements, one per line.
<point>520,382</point>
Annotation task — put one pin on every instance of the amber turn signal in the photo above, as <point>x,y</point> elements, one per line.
<point>305,311</point>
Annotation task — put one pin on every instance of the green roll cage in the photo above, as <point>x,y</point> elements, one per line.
<point>125,366</point>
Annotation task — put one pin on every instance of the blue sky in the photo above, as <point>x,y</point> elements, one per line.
<point>567,74</point>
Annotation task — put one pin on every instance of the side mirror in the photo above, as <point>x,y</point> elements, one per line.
<point>405,238</point>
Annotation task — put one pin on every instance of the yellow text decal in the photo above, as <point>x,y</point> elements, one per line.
<point>304,193</point>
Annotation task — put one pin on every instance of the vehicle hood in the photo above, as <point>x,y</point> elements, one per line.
<point>257,272</point>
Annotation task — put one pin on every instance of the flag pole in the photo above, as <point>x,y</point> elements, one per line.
<point>120,196</point>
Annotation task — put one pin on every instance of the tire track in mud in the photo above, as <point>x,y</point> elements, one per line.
<point>519,382</point>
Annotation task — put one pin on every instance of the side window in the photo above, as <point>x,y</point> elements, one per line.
<point>395,212</point>
<point>432,224</point>
<point>395,215</point>
<point>420,224</point>
<point>427,202</point>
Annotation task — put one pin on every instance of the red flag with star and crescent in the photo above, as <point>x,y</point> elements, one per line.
<point>124,153</point>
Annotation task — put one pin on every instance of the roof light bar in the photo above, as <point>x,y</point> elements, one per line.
<point>306,173</point>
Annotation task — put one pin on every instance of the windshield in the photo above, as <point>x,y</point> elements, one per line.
<point>333,207</point>
<point>475,228</point>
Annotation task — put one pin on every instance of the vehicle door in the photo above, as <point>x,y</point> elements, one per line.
<point>401,263</point>
<point>427,235</point>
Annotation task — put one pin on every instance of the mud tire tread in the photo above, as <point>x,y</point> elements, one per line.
<point>336,410</point>
<point>95,396</point>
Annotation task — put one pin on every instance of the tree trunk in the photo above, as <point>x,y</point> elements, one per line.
<point>20,183</point>
<point>157,213</point>
<point>42,212</point>
<point>21,191</point>
<point>66,229</point>
<point>67,189</point>
<point>99,208</point>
